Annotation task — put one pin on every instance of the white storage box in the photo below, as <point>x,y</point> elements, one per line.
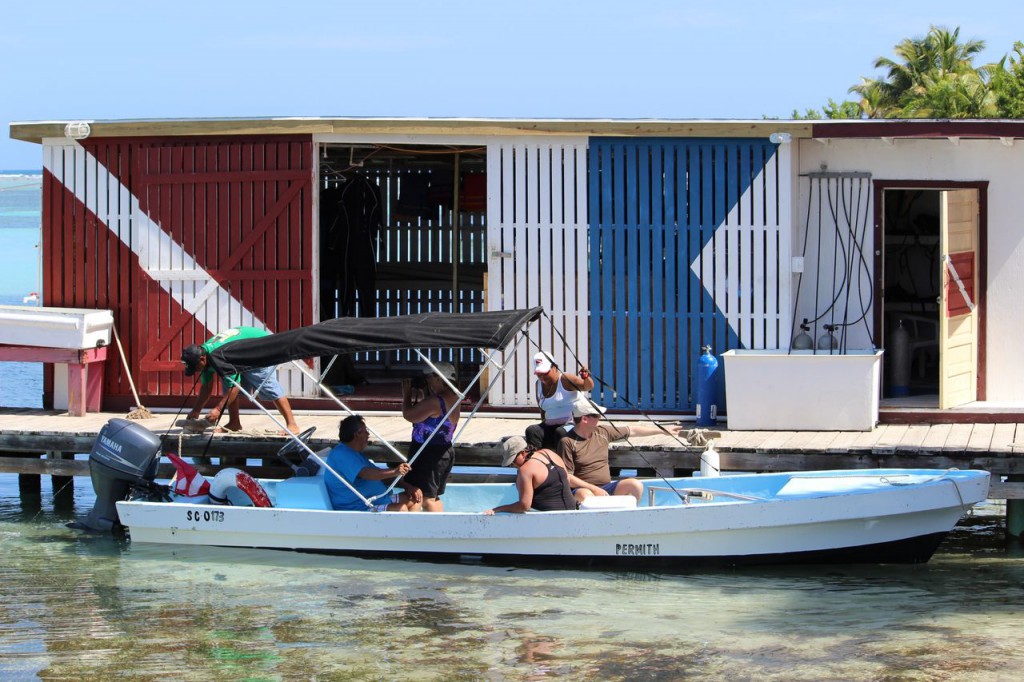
<point>55,327</point>
<point>608,502</point>
<point>772,390</point>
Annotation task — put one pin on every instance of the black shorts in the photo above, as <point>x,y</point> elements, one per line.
<point>431,469</point>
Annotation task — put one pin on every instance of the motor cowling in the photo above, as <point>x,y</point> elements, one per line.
<point>124,454</point>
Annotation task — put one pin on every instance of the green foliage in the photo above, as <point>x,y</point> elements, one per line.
<point>1008,83</point>
<point>934,76</point>
<point>832,110</point>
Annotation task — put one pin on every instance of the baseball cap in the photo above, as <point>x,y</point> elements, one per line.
<point>542,363</point>
<point>191,356</point>
<point>445,369</point>
<point>512,446</point>
<point>586,407</point>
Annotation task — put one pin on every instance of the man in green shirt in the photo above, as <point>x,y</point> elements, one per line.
<point>261,382</point>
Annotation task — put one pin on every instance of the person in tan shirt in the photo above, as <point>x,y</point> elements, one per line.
<point>585,452</point>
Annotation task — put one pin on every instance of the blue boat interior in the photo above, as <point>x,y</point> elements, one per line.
<point>311,492</point>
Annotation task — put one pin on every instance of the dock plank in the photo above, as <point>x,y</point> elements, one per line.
<point>819,441</point>
<point>958,438</point>
<point>1017,446</point>
<point>981,437</point>
<point>867,439</point>
<point>774,441</point>
<point>1002,437</point>
<point>936,438</point>
<point>843,441</point>
<point>913,438</point>
<point>889,439</point>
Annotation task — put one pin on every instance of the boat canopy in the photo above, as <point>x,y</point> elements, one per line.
<point>491,330</point>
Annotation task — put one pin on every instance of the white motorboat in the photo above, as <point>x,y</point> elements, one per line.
<point>849,516</point>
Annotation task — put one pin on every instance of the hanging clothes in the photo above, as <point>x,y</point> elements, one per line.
<point>350,221</point>
<point>473,193</point>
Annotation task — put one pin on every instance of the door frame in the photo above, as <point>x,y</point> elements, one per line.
<point>879,187</point>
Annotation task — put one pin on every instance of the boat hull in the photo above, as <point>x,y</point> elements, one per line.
<point>827,517</point>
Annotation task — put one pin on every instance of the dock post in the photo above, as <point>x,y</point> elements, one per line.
<point>1015,512</point>
<point>63,486</point>
<point>30,484</point>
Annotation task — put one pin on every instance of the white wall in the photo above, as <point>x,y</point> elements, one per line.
<point>970,160</point>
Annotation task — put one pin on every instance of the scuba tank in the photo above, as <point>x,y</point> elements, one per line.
<point>899,361</point>
<point>828,341</point>
<point>803,340</point>
<point>706,388</point>
<point>709,462</point>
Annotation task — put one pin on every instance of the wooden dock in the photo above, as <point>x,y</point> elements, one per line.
<point>34,441</point>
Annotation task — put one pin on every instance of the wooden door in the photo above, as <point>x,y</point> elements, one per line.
<point>537,251</point>
<point>959,314</point>
<point>222,229</point>
<point>687,247</point>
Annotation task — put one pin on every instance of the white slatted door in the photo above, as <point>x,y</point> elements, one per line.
<point>537,251</point>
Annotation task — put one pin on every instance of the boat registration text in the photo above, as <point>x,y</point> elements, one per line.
<point>205,515</point>
<point>631,549</point>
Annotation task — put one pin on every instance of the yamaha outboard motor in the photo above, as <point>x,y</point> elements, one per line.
<point>125,454</point>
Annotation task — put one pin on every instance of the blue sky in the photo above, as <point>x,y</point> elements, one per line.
<point>526,59</point>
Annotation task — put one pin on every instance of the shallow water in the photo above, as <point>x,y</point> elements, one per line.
<point>79,606</point>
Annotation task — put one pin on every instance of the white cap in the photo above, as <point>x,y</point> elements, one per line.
<point>542,363</point>
<point>585,406</point>
<point>445,369</point>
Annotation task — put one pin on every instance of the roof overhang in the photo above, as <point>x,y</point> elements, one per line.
<point>37,131</point>
<point>890,129</point>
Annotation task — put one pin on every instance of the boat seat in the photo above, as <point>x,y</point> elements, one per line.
<point>303,492</point>
<point>594,502</point>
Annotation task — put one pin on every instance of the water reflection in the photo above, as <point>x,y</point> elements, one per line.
<point>91,607</point>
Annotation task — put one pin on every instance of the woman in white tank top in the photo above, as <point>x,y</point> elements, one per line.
<point>555,393</point>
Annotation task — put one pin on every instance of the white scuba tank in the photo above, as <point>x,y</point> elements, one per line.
<point>709,462</point>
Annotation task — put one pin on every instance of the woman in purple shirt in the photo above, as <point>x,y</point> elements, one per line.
<point>431,468</point>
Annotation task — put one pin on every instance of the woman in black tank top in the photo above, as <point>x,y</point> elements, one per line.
<point>542,481</point>
<point>554,493</point>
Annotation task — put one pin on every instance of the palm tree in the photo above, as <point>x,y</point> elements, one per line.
<point>938,60</point>
<point>1008,82</point>
<point>951,95</point>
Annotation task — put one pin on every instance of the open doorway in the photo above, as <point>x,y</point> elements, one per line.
<point>910,305</point>
<point>931,315</point>
<point>401,231</point>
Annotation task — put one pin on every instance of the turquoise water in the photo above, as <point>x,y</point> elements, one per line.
<point>80,606</point>
<point>20,216</point>
<point>88,607</point>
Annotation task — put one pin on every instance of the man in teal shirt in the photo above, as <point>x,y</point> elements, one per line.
<point>261,382</point>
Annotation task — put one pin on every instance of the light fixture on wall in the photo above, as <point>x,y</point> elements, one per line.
<point>780,138</point>
<point>77,130</point>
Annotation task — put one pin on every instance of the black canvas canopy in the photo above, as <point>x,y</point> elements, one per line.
<point>491,330</point>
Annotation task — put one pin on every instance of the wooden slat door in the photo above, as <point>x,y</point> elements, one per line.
<point>959,314</point>
<point>689,246</point>
<point>537,251</point>
<point>223,232</point>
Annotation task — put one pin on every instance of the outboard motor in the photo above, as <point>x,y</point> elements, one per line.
<point>124,454</point>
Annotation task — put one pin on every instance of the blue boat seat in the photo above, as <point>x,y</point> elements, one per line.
<point>303,492</point>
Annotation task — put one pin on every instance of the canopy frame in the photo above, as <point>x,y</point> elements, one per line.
<point>501,338</point>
